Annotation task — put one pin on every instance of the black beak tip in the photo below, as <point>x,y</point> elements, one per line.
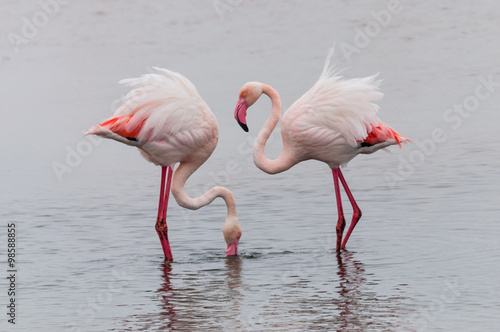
<point>244,126</point>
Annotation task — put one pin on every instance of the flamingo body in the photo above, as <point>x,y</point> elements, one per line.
<point>332,122</point>
<point>166,119</point>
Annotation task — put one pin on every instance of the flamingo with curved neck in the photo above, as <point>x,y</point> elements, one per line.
<point>231,229</point>
<point>333,122</point>
<point>166,119</point>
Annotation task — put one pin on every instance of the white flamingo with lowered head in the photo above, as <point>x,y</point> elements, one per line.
<point>332,122</point>
<point>166,119</point>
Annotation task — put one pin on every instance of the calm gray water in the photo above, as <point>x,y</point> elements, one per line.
<point>424,257</point>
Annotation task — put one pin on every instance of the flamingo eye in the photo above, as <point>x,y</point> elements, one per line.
<point>244,94</point>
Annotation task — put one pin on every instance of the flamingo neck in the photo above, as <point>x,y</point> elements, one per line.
<point>283,162</point>
<point>183,172</point>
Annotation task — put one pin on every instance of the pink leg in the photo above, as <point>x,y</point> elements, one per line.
<point>167,193</point>
<point>341,221</point>
<point>162,193</point>
<point>356,212</point>
<point>161,220</point>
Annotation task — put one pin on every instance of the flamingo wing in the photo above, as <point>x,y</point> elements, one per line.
<point>382,134</point>
<point>160,106</point>
<point>335,108</point>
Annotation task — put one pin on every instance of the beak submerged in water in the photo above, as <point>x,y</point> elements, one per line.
<point>240,113</point>
<point>232,248</point>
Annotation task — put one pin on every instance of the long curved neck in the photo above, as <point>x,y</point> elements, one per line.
<point>283,162</point>
<point>183,172</point>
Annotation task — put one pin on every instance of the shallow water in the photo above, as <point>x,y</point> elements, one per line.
<point>424,257</point>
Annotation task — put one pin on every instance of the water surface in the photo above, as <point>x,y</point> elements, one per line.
<point>424,257</point>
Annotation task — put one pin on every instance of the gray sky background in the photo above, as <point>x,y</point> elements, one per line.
<point>60,65</point>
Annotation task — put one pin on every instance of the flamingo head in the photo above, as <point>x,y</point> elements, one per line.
<point>232,233</point>
<point>248,95</point>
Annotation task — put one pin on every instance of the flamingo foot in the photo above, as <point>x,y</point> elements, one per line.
<point>355,218</point>
<point>162,231</point>
<point>232,248</point>
<point>340,230</point>
<point>356,215</point>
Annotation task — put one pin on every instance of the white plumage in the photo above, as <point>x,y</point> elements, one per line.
<point>171,119</point>
<point>164,116</point>
<point>332,122</point>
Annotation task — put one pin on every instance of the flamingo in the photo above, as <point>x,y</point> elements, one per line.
<point>166,119</point>
<point>332,122</point>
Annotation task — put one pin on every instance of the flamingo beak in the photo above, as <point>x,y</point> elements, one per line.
<point>232,248</point>
<point>240,113</point>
